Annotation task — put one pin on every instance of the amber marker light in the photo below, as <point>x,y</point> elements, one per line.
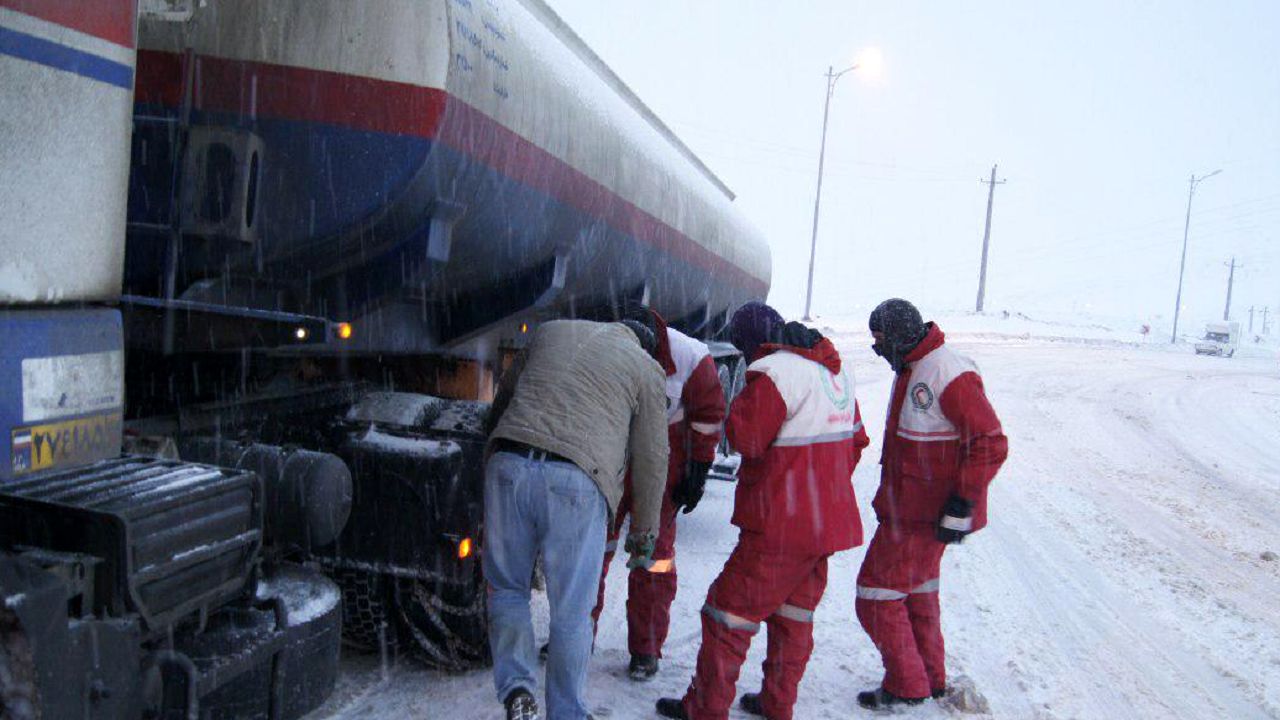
<point>524,328</point>
<point>345,330</point>
<point>464,548</point>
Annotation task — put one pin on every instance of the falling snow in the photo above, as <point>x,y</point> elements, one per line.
<point>1121,575</point>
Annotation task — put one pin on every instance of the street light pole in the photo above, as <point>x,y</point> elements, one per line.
<point>832,76</point>
<point>1177,307</point>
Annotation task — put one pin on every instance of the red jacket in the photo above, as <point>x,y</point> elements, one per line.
<point>695,399</point>
<point>799,429</point>
<point>941,438</point>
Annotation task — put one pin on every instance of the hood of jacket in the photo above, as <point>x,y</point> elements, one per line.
<point>805,342</point>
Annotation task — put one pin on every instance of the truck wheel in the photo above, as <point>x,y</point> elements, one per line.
<point>19,698</point>
<point>448,623</point>
<point>368,620</point>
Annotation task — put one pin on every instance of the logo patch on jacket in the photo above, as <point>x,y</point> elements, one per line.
<point>921,396</point>
<point>836,387</point>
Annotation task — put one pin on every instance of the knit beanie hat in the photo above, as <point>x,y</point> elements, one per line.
<point>754,324</point>
<point>644,335</point>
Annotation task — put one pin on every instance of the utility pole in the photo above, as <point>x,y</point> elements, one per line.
<point>1250,319</point>
<point>1182,268</point>
<point>1231,278</point>
<point>986,235</point>
<point>1265,329</point>
<point>832,77</point>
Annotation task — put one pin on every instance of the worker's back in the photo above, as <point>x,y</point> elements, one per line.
<point>580,387</point>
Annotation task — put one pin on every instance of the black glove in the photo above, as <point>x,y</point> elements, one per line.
<point>955,521</point>
<point>688,491</point>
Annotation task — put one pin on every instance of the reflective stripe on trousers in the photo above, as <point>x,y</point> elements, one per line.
<point>663,566</point>
<point>874,593</point>
<point>798,614</point>
<point>729,620</point>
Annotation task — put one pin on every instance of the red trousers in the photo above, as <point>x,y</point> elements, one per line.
<point>898,607</point>
<point>779,590</point>
<point>649,592</point>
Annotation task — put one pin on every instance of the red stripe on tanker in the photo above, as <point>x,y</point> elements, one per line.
<point>276,91</point>
<point>253,89</point>
<point>111,20</point>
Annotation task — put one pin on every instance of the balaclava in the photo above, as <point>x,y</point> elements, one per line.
<point>901,328</point>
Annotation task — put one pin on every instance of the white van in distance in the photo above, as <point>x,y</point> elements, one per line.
<point>1220,338</point>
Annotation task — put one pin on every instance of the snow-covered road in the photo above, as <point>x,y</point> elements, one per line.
<point>1122,575</point>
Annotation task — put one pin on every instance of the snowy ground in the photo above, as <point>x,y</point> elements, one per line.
<point>1124,572</point>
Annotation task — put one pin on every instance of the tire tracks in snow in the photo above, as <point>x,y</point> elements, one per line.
<point>1090,536</point>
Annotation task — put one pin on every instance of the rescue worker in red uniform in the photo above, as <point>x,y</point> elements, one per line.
<point>798,428</point>
<point>695,414</point>
<point>943,444</point>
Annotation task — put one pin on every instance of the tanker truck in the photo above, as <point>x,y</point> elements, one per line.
<point>333,226</point>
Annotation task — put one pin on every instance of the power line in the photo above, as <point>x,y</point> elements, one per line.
<point>1103,243</point>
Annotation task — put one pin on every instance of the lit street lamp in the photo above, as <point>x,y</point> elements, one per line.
<point>1177,307</point>
<point>832,77</point>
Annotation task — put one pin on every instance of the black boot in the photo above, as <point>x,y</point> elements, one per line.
<point>880,698</point>
<point>750,702</point>
<point>521,706</point>
<point>672,708</point>
<point>938,693</point>
<point>642,667</point>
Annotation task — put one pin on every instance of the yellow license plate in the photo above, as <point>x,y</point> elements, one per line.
<point>40,447</point>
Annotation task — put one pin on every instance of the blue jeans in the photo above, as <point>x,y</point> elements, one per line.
<point>555,509</point>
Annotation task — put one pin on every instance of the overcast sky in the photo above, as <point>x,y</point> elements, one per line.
<point>1097,112</point>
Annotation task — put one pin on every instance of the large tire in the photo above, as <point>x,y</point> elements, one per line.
<point>447,624</point>
<point>19,696</point>
<point>368,613</point>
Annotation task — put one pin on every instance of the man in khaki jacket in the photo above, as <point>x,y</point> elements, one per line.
<point>582,402</point>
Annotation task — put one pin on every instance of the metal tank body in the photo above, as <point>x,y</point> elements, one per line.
<point>66,89</point>
<point>429,169</point>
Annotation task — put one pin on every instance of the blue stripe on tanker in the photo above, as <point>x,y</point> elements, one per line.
<point>60,57</point>
<point>346,174</point>
<point>332,180</point>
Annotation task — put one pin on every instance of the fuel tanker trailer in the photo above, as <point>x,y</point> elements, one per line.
<point>131,585</point>
<point>433,178</point>
<point>343,220</point>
